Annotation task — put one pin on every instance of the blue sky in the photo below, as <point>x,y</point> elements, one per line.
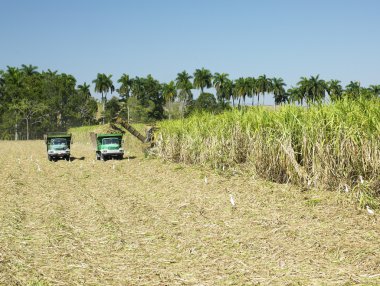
<point>289,39</point>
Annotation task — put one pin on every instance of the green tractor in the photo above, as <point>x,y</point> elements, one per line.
<point>58,145</point>
<point>107,146</point>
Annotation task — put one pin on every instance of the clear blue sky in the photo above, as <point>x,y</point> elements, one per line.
<point>289,39</point>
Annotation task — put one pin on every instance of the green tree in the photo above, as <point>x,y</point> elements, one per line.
<point>2,85</point>
<point>84,106</point>
<point>32,103</point>
<point>229,91</point>
<point>169,93</point>
<point>29,69</point>
<point>205,102</point>
<point>148,92</point>
<point>303,87</point>
<point>184,86</point>
<point>252,82</point>
<point>202,79</point>
<point>103,85</point>
<point>243,88</point>
<point>264,85</point>
<point>353,89</point>
<point>125,86</point>
<point>334,89</point>
<point>316,89</point>
<point>85,89</point>
<point>220,82</point>
<point>29,110</point>
<point>295,94</point>
<point>278,89</point>
<point>375,89</point>
<point>112,108</point>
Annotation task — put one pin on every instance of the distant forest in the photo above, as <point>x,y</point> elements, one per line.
<point>34,102</point>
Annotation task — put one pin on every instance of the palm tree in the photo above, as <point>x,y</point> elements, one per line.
<point>2,81</point>
<point>303,90</point>
<point>137,87</point>
<point>51,73</point>
<point>125,86</point>
<point>29,69</point>
<point>202,79</point>
<point>184,86</point>
<point>14,76</point>
<point>220,82</point>
<point>375,89</point>
<point>69,81</point>
<point>252,82</point>
<point>334,89</point>
<point>234,93</point>
<point>264,85</point>
<point>316,89</point>
<point>169,92</point>
<point>353,89</point>
<point>241,88</point>
<point>294,94</point>
<point>85,90</point>
<point>248,87</point>
<point>103,85</point>
<point>229,87</point>
<point>278,88</point>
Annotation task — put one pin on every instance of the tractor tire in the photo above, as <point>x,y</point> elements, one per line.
<point>50,158</point>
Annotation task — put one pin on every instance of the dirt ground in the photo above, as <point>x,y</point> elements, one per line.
<point>142,221</point>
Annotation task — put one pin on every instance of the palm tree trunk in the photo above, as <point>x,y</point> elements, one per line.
<point>104,108</point>
<point>16,132</point>
<point>27,128</point>
<point>170,109</point>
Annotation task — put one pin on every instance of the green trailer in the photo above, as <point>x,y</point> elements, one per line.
<point>108,146</point>
<point>58,145</point>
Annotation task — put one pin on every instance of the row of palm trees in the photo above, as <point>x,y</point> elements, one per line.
<point>312,89</point>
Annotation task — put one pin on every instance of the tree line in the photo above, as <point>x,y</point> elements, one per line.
<point>33,102</point>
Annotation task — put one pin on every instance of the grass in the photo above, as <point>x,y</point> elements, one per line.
<point>150,222</point>
<point>328,147</point>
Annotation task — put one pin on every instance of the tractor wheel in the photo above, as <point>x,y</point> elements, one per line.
<point>49,158</point>
<point>103,157</point>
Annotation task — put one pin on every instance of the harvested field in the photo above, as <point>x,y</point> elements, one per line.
<point>146,222</point>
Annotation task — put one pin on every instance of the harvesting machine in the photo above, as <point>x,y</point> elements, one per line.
<point>109,145</point>
<point>148,138</point>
